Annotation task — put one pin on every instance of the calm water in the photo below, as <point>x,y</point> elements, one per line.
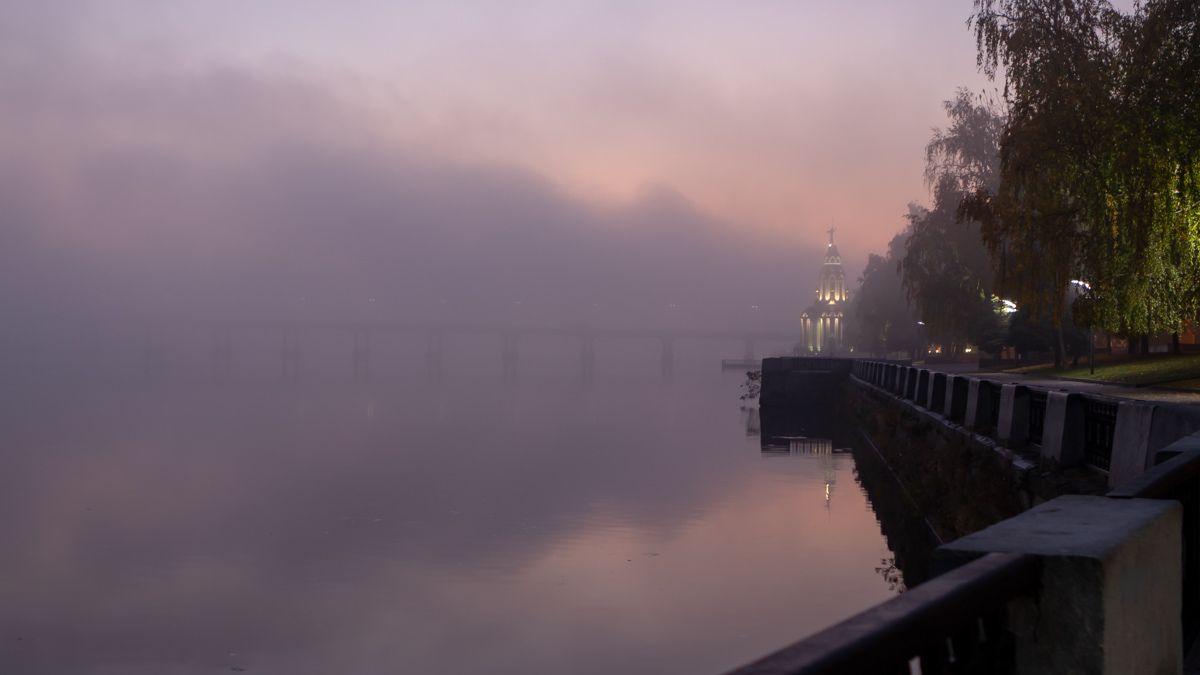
<point>542,527</point>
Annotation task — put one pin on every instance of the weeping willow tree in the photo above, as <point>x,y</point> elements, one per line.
<point>1098,172</point>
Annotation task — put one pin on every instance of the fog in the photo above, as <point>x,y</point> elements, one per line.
<point>539,227</point>
<point>220,196</point>
<point>548,166</point>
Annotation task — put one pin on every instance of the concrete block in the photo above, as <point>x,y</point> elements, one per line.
<point>973,414</point>
<point>1131,439</point>
<point>956,397</point>
<point>937,392</point>
<point>1111,584</point>
<point>1186,444</point>
<point>922,393</point>
<point>1062,432</point>
<point>1171,423</point>
<point>1012,428</point>
<point>1144,429</point>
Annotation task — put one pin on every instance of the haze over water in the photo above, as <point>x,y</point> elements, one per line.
<point>194,187</point>
<point>466,526</point>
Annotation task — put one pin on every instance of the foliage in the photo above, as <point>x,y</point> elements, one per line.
<point>1032,334</point>
<point>1098,171</point>
<point>884,322</point>
<point>946,268</point>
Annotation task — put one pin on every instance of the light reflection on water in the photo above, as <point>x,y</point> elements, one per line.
<point>441,529</point>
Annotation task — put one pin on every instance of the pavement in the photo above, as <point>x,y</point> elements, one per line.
<point>1153,394</point>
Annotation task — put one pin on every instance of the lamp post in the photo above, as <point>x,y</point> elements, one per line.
<point>1091,327</point>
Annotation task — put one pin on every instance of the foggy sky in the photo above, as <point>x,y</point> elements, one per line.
<point>217,158</point>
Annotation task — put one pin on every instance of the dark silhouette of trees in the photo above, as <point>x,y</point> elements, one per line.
<point>884,321</point>
<point>946,267</point>
<point>1098,176</point>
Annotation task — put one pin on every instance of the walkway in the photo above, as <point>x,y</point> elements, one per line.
<point>1151,393</point>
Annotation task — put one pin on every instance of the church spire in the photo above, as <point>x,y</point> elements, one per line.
<point>830,231</point>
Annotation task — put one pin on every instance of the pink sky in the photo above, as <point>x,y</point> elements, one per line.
<point>775,116</point>
<point>637,156</point>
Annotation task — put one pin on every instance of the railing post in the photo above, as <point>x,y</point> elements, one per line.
<point>978,416</point>
<point>956,397</point>
<point>1012,428</point>
<point>1131,436</point>
<point>1111,573</point>
<point>1062,430</point>
<point>922,394</point>
<point>937,392</point>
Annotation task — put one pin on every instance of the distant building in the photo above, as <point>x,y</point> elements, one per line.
<point>822,326</point>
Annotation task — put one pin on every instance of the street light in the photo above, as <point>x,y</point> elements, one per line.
<point>1091,326</point>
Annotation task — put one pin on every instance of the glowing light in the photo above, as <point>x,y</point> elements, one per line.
<point>1081,284</point>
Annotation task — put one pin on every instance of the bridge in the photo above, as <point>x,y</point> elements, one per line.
<point>362,340</point>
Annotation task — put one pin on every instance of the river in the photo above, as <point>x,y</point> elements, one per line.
<point>467,526</point>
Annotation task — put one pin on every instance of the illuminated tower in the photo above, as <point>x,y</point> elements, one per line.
<point>822,328</point>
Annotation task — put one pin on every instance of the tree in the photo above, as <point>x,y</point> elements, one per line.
<point>884,321</point>
<point>946,267</point>
<point>1098,159</point>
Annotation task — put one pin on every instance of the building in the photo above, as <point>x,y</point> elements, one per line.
<point>822,326</point>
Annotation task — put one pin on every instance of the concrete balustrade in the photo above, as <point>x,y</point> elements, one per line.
<point>1143,429</point>
<point>1111,568</point>
<point>1111,574</point>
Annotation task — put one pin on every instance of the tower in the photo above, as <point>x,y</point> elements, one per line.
<point>822,326</point>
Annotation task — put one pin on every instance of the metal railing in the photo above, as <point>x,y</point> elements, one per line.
<point>1037,415</point>
<point>1099,423</point>
<point>951,623</point>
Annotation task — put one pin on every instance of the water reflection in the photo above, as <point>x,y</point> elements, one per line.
<point>376,530</point>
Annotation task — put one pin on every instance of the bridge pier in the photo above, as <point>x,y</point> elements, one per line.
<point>433,355</point>
<point>587,357</point>
<point>289,352</point>
<point>667,358</point>
<point>749,350</point>
<point>508,357</point>
<point>361,355</point>
<point>91,353</point>
<point>221,365</point>
<point>154,356</point>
